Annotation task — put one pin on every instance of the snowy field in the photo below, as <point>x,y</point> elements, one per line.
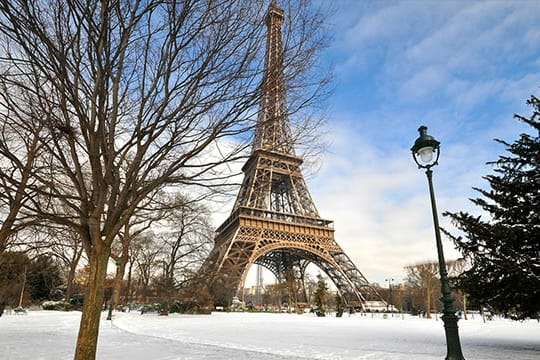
<point>52,335</point>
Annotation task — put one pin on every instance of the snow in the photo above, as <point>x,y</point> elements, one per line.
<point>51,335</point>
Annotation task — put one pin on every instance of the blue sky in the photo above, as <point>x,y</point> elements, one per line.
<point>462,68</point>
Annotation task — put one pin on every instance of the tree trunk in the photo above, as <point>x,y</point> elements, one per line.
<point>145,291</point>
<point>128,286</point>
<point>69,285</point>
<point>428,302</point>
<point>71,274</point>
<point>464,306</point>
<point>119,280</point>
<point>117,287</point>
<point>93,302</point>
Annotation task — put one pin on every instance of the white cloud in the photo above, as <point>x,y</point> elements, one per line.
<point>468,94</point>
<point>519,90</point>
<point>423,83</point>
<point>418,52</point>
<point>381,206</point>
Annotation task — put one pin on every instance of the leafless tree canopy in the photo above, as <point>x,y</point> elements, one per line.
<point>133,95</point>
<point>114,100</point>
<point>19,148</point>
<point>424,277</point>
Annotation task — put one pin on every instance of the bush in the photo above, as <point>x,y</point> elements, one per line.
<point>188,307</point>
<point>151,308</point>
<point>56,305</point>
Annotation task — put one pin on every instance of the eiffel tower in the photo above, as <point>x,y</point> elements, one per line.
<point>274,222</point>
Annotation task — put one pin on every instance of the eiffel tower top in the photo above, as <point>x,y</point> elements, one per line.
<point>273,188</point>
<point>272,132</point>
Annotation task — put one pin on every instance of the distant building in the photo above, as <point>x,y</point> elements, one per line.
<point>378,306</point>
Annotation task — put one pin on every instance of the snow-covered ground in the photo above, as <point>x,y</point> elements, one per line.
<point>52,335</point>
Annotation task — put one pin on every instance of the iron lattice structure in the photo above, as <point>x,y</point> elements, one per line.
<point>274,222</point>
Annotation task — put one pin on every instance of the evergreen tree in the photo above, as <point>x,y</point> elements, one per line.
<point>320,296</point>
<point>44,279</point>
<point>339,305</point>
<point>41,278</point>
<point>12,273</point>
<point>504,250</point>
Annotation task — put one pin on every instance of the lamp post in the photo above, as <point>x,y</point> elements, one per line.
<point>390,291</point>
<point>425,153</point>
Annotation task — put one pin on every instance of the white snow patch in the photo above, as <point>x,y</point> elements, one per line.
<point>51,335</point>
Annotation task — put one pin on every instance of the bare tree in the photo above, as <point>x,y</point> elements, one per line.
<point>187,242</point>
<point>19,148</point>
<point>67,247</point>
<point>424,276</point>
<point>140,221</point>
<point>182,244</point>
<point>130,97</point>
<point>147,262</point>
<point>293,287</point>
<point>120,255</point>
<point>137,245</point>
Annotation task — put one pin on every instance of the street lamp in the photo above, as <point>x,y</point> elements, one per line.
<point>425,153</point>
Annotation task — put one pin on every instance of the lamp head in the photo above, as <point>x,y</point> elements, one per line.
<point>426,149</point>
